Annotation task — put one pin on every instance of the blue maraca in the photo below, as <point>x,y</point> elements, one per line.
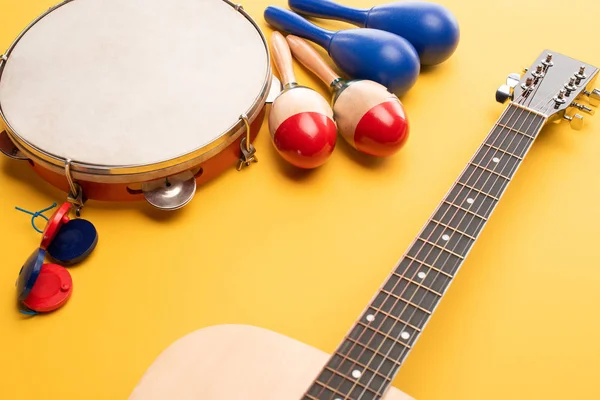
<point>360,53</point>
<point>431,28</point>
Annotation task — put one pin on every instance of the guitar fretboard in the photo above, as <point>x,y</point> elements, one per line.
<point>367,361</point>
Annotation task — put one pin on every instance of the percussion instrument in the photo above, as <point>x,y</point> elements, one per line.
<point>369,117</point>
<point>300,121</point>
<point>68,241</point>
<point>361,53</point>
<point>125,100</point>
<point>236,361</point>
<point>431,28</point>
<point>44,287</point>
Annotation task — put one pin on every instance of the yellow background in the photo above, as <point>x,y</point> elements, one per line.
<point>302,254</point>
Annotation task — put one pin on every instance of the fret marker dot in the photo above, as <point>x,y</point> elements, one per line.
<point>445,238</point>
<point>496,160</point>
<point>470,201</point>
<point>356,374</point>
<point>370,318</point>
<point>405,335</point>
<point>421,275</point>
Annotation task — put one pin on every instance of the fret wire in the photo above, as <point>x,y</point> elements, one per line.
<point>326,385</point>
<point>503,151</point>
<point>396,319</point>
<point>441,248</point>
<point>423,264</point>
<point>471,221</point>
<point>358,364</point>
<point>517,142</point>
<point>464,209</point>
<point>400,277</point>
<point>478,191</point>
<point>376,330</point>
<point>364,368</point>
<point>408,302</point>
<point>356,382</point>
<point>330,388</point>
<point>475,203</point>
<point>453,229</point>
<point>310,396</point>
<point>515,130</point>
<point>476,177</point>
<point>490,171</point>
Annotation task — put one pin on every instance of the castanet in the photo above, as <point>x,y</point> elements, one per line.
<point>430,27</point>
<point>360,53</point>
<point>369,117</point>
<point>301,121</point>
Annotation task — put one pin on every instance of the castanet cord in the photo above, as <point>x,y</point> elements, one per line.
<point>37,214</point>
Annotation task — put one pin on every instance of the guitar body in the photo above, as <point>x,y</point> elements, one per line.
<point>234,362</point>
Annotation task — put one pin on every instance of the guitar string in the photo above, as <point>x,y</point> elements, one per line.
<point>377,329</point>
<point>506,111</point>
<point>405,350</point>
<point>411,301</point>
<point>521,112</point>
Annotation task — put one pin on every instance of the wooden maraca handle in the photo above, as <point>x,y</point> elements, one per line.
<point>309,57</point>
<point>283,58</point>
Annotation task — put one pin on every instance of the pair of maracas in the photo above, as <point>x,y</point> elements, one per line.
<point>391,44</point>
<point>304,127</point>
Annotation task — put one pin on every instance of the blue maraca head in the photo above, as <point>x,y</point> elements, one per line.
<point>431,28</point>
<point>378,56</point>
<point>361,53</point>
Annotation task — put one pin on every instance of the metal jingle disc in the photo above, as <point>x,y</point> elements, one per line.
<point>171,193</point>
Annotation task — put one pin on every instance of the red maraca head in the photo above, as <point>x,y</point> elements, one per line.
<point>371,119</point>
<point>302,127</point>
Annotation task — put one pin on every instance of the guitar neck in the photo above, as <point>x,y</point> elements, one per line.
<point>368,359</point>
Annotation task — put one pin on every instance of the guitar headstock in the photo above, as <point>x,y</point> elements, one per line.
<point>553,85</point>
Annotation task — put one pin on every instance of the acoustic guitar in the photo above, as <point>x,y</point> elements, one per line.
<point>235,362</point>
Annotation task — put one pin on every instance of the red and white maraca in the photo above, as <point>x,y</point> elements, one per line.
<point>301,120</point>
<point>369,117</point>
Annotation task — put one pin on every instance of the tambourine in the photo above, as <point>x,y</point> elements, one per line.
<point>122,100</point>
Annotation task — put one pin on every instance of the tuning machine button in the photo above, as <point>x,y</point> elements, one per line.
<point>576,121</point>
<point>593,97</point>
<point>584,108</point>
<point>506,91</point>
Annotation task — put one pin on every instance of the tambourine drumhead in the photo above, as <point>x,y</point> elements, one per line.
<point>132,82</point>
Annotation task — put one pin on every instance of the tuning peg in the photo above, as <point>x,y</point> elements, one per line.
<point>576,121</point>
<point>506,91</point>
<point>584,108</point>
<point>593,97</point>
